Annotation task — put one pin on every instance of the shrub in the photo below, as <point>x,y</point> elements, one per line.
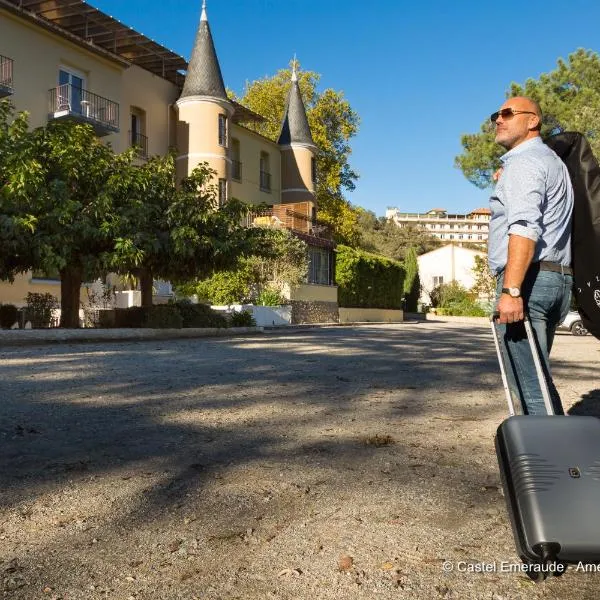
<point>368,281</point>
<point>130,317</point>
<point>242,319</point>
<point>226,287</point>
<point>200,315</point>
<point>454,299</point>
<point>39,309</point>
<point>270,297</point>
<point>163,316</point>
<point>9,315</point>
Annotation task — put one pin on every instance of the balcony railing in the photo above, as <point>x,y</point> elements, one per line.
<point>265,181</point>
<point>140,143</point>
<point>6,76</point>
<point>236,170</point>
<point>69,101</point>
<point>282,217</point>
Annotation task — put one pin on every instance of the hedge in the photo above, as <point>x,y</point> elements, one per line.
<point>367,280</point>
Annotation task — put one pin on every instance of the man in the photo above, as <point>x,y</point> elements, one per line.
<point>529,247</point>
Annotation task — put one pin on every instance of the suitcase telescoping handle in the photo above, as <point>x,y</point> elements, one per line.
<point>536,361</point>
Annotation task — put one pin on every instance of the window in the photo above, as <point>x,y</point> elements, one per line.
<point>438,280</point>
<point>222,191</point>
<point>265,172</point>
<point>313,169</point>
<point>70,91</point>
<point>223,130</point>
<point>236,165</point>
<point>319,269</point>
<point>137,137</point>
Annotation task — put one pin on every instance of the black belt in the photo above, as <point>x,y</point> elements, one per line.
<point>546,265</point>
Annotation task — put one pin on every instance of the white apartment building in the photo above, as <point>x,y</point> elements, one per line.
<point>472,227</point>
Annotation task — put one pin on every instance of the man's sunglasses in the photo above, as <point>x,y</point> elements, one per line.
<point>508,113</point>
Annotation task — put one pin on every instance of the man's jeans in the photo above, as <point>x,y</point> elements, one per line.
<point>547,297</point>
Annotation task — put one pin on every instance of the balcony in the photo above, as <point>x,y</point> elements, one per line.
<point>282,217</point>
<point>236,170</point>
<point>140,143</point>
<point>6,76</point>
<point>68,102</point>
<point>265,181</point>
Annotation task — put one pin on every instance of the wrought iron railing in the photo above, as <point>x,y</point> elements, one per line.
<point>281,217</point>
<point>140,143</point>
<point>265,181</point>
<point>236,170</point>
<point>77,101</point>
<point>6,72</point>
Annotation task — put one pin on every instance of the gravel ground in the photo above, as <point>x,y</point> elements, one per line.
<point>342,462</point>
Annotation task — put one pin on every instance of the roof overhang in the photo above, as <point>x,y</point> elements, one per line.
<point>85,25</point>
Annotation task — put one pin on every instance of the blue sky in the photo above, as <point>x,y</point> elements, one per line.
<point>419,74</point>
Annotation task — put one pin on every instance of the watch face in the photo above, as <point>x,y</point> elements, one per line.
<point>514,292</point>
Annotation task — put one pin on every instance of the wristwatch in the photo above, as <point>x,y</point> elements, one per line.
<point>513,292</point>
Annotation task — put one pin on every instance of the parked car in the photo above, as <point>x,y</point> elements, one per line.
<point>573,323</point>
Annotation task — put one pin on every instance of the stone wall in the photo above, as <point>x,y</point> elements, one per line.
<point>314,312</point>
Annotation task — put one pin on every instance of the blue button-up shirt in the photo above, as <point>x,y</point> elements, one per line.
<point>534,199</point>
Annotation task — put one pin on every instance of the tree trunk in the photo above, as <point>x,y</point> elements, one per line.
<point>146,284</point>
<point>70,286</point>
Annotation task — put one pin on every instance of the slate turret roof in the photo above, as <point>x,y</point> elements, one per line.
<point>294,128</point>
<point>204,73</point>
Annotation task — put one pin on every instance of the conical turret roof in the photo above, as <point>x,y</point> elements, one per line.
<point>204,73</point>
<point>294,128</point>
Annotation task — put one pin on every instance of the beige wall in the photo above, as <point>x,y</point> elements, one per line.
<point>16,292</point>
<point>370,315</point>
<point>310,292</point>
<point>38,54</point>
<point>251,145</point>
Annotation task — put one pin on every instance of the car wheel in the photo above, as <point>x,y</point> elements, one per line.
<point>578,329</point>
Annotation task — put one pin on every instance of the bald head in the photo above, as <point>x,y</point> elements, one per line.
<point>526,103</point>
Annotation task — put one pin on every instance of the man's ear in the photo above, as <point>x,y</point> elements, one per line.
<point>534,123</point>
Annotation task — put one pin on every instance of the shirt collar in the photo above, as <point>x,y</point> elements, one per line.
<point>522,147</point>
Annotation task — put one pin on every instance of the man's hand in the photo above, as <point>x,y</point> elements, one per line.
<point>510,309</point>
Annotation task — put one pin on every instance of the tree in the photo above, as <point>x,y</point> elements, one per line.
<point>412,283</point>
<point>176,232</point>
<point>333,123</point>
<point>570,99</point>
<point>485,283</point>
<point>56,205</point>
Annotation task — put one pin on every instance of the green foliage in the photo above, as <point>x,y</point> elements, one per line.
<point>412,283</point>
<point>368,281</point>
<point>454,299</point>
<point>200,315</point>
<point>39,309</point>
<point>382,236</point>
<point>570,99</point>
<point>242,318</point>
<point>270,297</point>
<point>163,316</point>
<point>283,261</point>
<point>133,316</point>
<point>226,287</point>
<point>333,123</point>
<point>9,315</point>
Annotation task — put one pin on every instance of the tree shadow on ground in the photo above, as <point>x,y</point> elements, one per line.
<point>589,405</point>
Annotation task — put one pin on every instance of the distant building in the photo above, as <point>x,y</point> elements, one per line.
<point>444,265</point>
<point>472,227</point>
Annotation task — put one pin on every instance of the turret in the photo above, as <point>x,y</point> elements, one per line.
<point>204,112</point>
<point>298,151</point>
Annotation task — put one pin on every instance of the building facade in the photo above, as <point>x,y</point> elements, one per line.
<point>472,227</point>
<point>66,59</point>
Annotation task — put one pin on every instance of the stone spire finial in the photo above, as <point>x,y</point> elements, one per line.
<point>203,16</point>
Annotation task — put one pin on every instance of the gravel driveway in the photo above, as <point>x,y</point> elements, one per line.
<point>342,462</point>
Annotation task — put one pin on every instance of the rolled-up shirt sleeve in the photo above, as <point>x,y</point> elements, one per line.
<point>524,182</point>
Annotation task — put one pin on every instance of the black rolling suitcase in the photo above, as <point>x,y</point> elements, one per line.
<point>550,471</point>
